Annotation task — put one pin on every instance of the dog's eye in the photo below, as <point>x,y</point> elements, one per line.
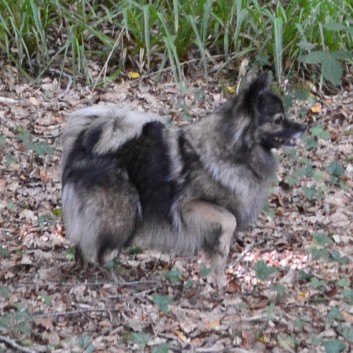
<point>278,119</point>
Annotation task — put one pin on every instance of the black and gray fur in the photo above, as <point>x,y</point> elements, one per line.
<point>130,180</point>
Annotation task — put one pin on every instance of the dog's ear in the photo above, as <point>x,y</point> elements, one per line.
<point>259,83</point>
<point>256,85</point>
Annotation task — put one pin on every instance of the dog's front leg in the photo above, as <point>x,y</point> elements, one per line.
<point>214,227</point>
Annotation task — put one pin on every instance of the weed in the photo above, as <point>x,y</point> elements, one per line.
<point>155,35</point>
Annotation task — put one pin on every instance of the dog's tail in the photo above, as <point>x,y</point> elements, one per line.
<point>104,127</point>
<point>112,125</point>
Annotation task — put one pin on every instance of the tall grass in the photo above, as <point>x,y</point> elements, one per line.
<point>150,36</point>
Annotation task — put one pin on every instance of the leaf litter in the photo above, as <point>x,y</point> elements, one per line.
<point>289,277</point>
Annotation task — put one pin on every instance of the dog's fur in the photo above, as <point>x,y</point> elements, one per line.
<point>128,179</point>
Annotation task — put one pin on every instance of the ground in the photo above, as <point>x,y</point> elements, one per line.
<point>290,275</point>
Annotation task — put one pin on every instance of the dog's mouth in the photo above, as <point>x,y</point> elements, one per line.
<point>287,141</point>
<point>279,141</point>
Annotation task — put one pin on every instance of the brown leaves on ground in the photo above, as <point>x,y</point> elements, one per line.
<point>289,291</point>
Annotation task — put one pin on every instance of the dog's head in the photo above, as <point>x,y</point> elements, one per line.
<point>260,117</point>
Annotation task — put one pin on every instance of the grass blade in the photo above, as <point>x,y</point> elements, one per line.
<point>278,47</point>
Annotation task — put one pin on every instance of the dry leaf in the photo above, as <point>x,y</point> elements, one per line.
<point>213,325</point>
<point>231,89</point>
<point>52,337</point>
<point>316,108</point>
<point>45,322</point>
<point>34,101</point>
<point>181,336</point>
<point>134,74</point>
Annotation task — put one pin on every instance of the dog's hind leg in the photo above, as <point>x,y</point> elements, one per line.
<point>214,226</point>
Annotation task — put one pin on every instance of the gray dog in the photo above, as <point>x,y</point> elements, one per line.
<point>130,180</point>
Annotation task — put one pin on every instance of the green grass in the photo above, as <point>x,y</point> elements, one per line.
<point>150,36</point>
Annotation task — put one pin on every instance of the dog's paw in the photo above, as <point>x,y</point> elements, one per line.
<point>218,279</point>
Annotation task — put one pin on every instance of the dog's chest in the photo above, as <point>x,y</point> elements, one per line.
<point>243,194</point>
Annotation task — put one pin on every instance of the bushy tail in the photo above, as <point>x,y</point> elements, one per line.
<point>113,124</point>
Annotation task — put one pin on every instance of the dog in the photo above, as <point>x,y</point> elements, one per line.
<point>128,179</point>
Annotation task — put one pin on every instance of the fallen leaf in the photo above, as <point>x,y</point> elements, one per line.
<point>34,101</point>
<point>231,89</point>
<point>52,337</point>
<point>316,108</point>
<point>213,325</point>
<point>134,74</point>
<point>181,336</point>
<point>45,322</point>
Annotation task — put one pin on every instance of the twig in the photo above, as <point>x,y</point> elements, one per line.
<point>12,344</point>
<point>89,284</point>
<point>216,349</point>
<point>67,89</point>
<point>247,250</point>
<point>75,312</point>
<point>265,317</point>
<point>69,83</point>
<point>213,349</point>
<point>105,66</point>
<point>8,100</point>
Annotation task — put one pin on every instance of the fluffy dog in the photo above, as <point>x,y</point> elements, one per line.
<point>128,179</point>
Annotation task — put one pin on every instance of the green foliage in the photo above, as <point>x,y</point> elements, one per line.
<point>334,314</point>
<point>45,297</point>
<point>317,283</point>
<point>294,177</point>
<point>334,346</point>
<point>347,333</point>
<point>135,250</point>
<point>40,148</point>
<point>9,159</point>
<point>287,342</point>
<point>336,256</point>
<point>315,340</point>
<point>344,282</point>
<point>11,207</point>
<point>205,271</point>
<point>162,348</point>
<point>162,301</point>
<point>4,292</point>
<point>280,289</point>
<point>70,254</point>
<point>173,275</point>
<point>310,142</point>
<point>2,140</point>
<point>270,309</point>
<point>264,272</point>
<point>348,296</point>
<point>113,263</point>
<point>319,132</point>
<point>141,339</point>
<point>316,132</point>
<point>299,324</point>
<point>188,284</point>
<point>151,35</point>
<point>322,239</point>
<point>319,251</point>
<point>335,169</point>
<point>46,218</point>
<point>4,252</point>
<point>57,212</point>
<point>18,322</point>
<point>310,192</point>
<point>331,67</point>
<point>85,342</point>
